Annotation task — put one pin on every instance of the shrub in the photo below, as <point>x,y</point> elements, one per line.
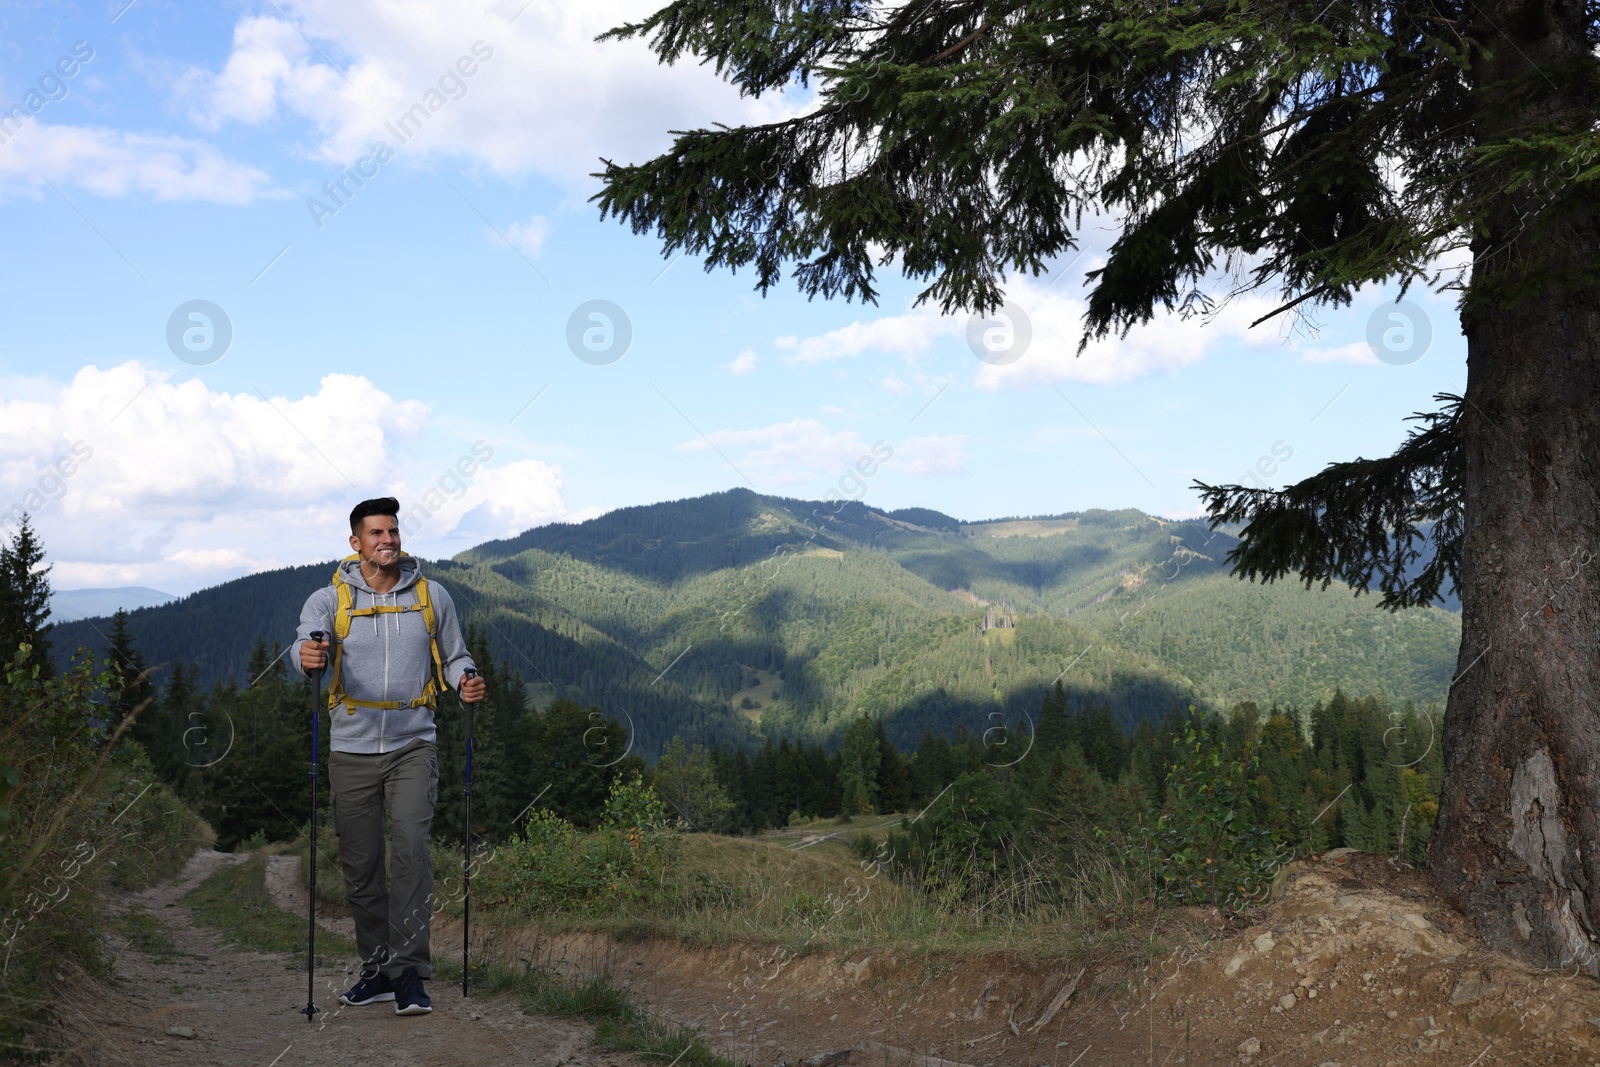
<point>551,867</point>
<point>1207,847</point>
<point>961,850</point>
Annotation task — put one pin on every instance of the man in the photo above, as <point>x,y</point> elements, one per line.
<point>396,643</point>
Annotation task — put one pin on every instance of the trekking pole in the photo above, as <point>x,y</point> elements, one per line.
<point>466,851</point>
<point>311,1009</point>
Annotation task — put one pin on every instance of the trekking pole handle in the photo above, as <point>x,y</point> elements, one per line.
<point>316,635</point>
<point>470,706</point>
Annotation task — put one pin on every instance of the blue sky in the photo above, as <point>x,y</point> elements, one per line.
<point>397,341</point>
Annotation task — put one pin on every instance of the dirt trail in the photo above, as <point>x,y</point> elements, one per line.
<point>212,1004</point>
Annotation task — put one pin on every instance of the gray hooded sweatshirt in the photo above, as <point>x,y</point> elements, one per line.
<point>386,657</point>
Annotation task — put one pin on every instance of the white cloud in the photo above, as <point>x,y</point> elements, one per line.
<point>497,501</point>
<point>543,96</point>
<point>1054,324</point>
<point>133,478</point>
<point>1167,343</point>
<point>270,62</point>
<point>743,363</point>
<point>1358,352</point>
<point>115,164</point>
<point>528,236</point>
<point>909,335</point>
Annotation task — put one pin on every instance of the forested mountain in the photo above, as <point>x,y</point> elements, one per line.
<point>727,616</point>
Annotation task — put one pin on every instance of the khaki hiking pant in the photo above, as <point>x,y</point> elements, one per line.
<point>392,916</point>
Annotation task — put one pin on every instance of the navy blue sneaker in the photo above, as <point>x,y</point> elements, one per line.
<point>409,997</point>
<point>368,991</point>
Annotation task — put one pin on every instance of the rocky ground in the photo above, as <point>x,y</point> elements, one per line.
<point>1355,964</point>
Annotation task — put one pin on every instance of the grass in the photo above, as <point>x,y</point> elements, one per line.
<point>804,895</point>
<point>144,934</point>
<point>121,832</point>
<point>805,889</point>
<point>235,902</point>
<point>760,694</point>
<point>619,1024</point>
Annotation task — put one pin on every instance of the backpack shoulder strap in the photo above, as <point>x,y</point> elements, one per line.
<point>341,630</point>
<point>430,620</point>
<point>341,617</point>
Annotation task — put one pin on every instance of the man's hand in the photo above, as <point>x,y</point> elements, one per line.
<point>313,655</point>
<point>473,689</point>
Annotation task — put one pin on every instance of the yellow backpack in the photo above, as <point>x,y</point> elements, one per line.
<point>341,629</point>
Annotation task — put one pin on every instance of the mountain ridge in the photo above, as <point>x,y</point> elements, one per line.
<point>676,615</point>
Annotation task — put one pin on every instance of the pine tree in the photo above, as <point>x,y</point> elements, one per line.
<point>858,768</point>
<point>793,780</point>
<point>133,688</point>
<point>766,801</point>
<point>739,785</point>
<point>582,752</point>
<point>25,598</point>
<point>822,794</point>
<point>1317,148</point>
<point>894,774</point>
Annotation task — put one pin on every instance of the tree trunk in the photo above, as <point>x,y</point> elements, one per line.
<point>1517,844</point>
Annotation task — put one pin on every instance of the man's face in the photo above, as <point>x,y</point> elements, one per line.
<point>378,541</point>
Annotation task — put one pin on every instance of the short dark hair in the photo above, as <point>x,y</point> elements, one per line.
<point>382,505</point>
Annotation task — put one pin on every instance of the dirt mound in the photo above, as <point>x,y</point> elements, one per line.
<point>1360,963</point>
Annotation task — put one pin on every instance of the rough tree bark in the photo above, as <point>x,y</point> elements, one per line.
<point>1517,844</point>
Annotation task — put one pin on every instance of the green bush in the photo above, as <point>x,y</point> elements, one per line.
<point>962,850</point>
<point>1208,846</point>
<point>551,867</point>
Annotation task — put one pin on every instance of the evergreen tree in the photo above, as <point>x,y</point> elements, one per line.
<point>822,796</point>
<point>25,597</point>
<point>858,768</point>
<point>134,691</point>
<point>895,788</point>
<point>793,780</point>
<point>1328,147</point>
<point>252,749</point>
<point>1103,745</point>
<point>738,782</point>
<point>1054,727</point>
<point>761,787</point>
<point>581,752</point>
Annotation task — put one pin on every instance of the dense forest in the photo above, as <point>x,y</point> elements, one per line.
<point>734,618</point>
<point>1354,772</point>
